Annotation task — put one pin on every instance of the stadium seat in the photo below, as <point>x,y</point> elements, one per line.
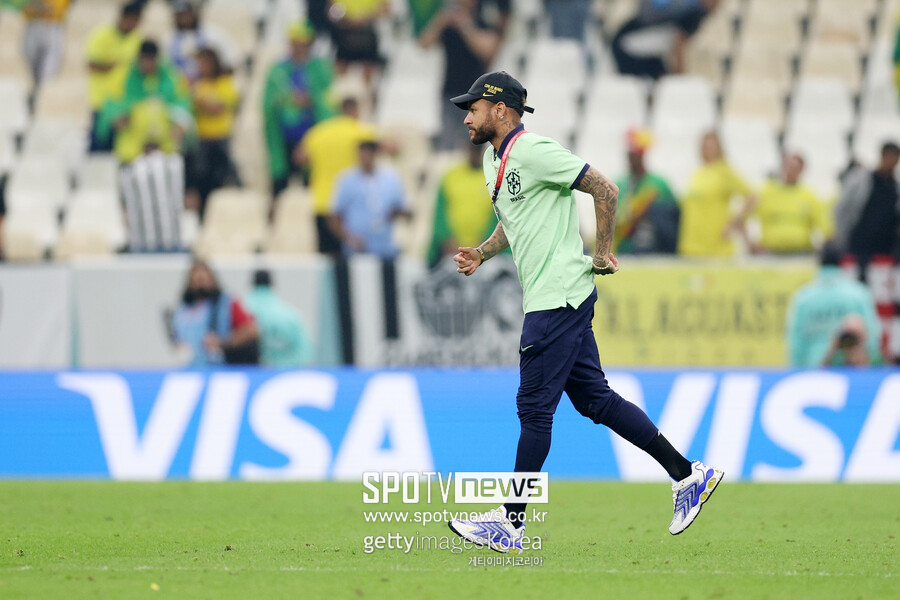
<point>833,60</point>
<point>773,24</point>
<point>683,103</point>
<point>755,62</point>
<point>12,27</point>
<point>784,10</point>
<point>556,64</point>
<point>879,101</point>
<point>21,241</point>
<point>99,173</point>
<point>821,102</point>
<point>7,152</point>
<point>880,64</point>
<point>31,230</point>
<point>510,57</point>
<point>751,147</point>
<point>615,104</point>
<point>393,107</point>
<point>93,225</point>
<point>293,229</point>
<point>65,97</point>
<point>157,21</point>
<point>234,223</point>
<point>556,112</point>
<point>14,100</point>
<point>843,22</point>
<point>675,158</point>
<point>38,181</point>
<point>57,138</point>
<point>605,152</point>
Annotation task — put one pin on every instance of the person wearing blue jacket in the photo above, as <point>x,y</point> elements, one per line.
<point>821,328</point>
<point>284,341</point>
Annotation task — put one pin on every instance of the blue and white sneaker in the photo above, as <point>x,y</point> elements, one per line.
<point>491,529</point>
<point>690,493</point>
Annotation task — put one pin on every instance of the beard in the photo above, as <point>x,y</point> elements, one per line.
<point>485,133</point>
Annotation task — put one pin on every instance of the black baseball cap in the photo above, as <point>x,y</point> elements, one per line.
<point>498,86</point>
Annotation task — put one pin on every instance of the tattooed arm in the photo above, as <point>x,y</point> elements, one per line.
<point>469,259</point>
<point>606,199</point>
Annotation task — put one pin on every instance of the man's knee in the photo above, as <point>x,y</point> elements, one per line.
<point>538,420</point>
<point>598,405</point>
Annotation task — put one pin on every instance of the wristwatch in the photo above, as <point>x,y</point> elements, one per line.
<point>480,253</point>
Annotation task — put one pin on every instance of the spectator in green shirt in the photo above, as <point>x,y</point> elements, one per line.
<point>296,97</point>
<point>284,341</point>
<point>647,219</point>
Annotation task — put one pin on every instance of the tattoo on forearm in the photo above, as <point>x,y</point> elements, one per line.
<point>606,199</point>
<point>495,244</point>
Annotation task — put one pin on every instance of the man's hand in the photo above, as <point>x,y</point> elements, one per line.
<point>606,265</point>
<point>467,260</point>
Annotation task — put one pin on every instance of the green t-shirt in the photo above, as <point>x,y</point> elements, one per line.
<point>539,217</point>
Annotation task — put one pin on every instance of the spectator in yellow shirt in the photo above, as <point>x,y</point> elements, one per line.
<point>327,149</point>
<point>706,218</point>
<point>110,51</point>
<point>463,215</point>
<point>789,213</point>
<point>43,38</point>
<point>209,164</point>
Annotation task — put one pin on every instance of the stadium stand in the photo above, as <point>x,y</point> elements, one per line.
<point>811,75</point>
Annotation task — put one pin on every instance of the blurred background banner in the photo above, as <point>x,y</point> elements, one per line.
<point>124,308</point>
<point>409,314</point>
<point>837,425</point>
<point>35,317</point>
<point>669,314</point>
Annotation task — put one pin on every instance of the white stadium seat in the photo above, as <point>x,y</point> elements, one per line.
<point>683,103</point>
<point>555,63</point>
<point>38,181</point>
<point>818,102</point>
<point>833,60</point>
<point>751,147</point>
<point>615,104</point>
<point>14,100</point>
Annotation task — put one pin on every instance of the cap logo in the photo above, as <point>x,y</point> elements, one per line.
<point>491,90</point>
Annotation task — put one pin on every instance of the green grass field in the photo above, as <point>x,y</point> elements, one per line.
<point>305,540</point>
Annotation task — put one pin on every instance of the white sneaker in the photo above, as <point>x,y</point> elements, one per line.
<point>491,529</point>
<point>689,494</point>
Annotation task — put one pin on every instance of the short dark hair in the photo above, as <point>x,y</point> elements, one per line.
<point>368,145</point>
<point>132,9</point>
<point>262,278</point>
<point>149,48</point>
<point>349,104</point>
<point>890,148</point>
<point>830,255</point>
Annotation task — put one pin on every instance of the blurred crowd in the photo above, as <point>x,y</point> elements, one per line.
<point>180,97</point>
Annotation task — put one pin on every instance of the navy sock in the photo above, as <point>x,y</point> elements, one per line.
<point>677,466</point>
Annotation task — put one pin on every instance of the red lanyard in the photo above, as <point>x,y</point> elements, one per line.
<point>503,166</point>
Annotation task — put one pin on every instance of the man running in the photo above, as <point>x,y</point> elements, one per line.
<point>531,179</point>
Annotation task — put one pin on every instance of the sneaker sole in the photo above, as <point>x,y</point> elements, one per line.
<point>705,495</point>
<point>489,544</point>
